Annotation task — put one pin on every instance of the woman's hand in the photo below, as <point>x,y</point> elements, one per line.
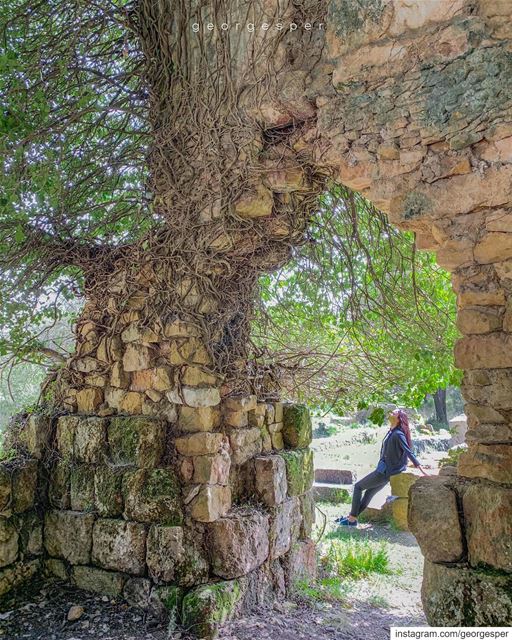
<point>423,470</point>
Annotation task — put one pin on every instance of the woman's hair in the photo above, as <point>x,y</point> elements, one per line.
<point>403,424</point>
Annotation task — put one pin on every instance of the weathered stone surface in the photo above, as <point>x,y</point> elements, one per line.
<point>66,427</point>
<point>119,545</point>
<point>200,396</point>
<point>297,429</point>
<point>308,512</point>
<point>119,378</point>
<point>399,509</point>
<point>457,596</point>
<point>82,487</point>
<point>152,496</point>
<point>236,418</point>
<point>196,376</point>
<point>68,535</point>
<point>401,482</point>
<point>35,435</point>
<point>491,351</point>
<point>16,574</point>
<point>270,479</point>
<point>488,519</point>
<point>491,461</point>
<point>199,444</point>
<point>56,568</point>
<point>173,557</point>
<point>210,503</point>
<point>93,579</point>
<point>59,486</point>
<point>90,439</point>
<point>165,605</point>
<point>238,543</point>
<point>245,444</point>
<point>30,529</point>
<point>434,519</point>
<point>136,357</point>
<point>212,469</point>
<point>473,320</point>
<point>206,608</point>
<point>107,490</point>
<point>299,470</point>
<point>198,418</point>
<point>300,563</point>
<point>8,542</point>
<point>285,522</point>
<point>137,592</point>
<point>136,440</point>
<point>240,403</point>
<point>88,400</point>
<point>24,483</point>
<point>277,440</point>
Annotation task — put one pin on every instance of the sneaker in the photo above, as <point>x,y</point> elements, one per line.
<point>345,522</point>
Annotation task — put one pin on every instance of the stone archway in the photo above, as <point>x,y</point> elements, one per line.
<point>408,103</point>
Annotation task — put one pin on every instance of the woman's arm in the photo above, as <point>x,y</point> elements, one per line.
<point>407,449</point>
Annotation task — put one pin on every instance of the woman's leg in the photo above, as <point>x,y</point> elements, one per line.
<point>371,483</point>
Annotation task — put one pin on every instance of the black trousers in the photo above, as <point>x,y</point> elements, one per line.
<point>370,484</point>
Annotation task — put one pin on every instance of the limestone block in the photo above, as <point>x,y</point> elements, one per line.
<point>491,461</point>
<point>180,329</point>
<point>458,596</point>
<point>199,444</point>
<point>136,357</point>
<point>277,440</point>
<point>24,483</point>
<point>136,440</point>
<point>245,444</point>
<point>206,608</point>
<point>201,396</point>
<point>285,524</point>
<point>270,479</point>
<point>56,568</point>
<point>266,440</point>
<point>135,333</point>
<point>16,574</point>
<point>210,503</point>
<point>35,435</point>
<point>108,490</point>
<point>308,512</point>
<point>399,513</point>
<point>255,203</point>
<point>30,529</point>
<point>212,469</point>
<point>473,320</point>
<point>401,482</point>
<point>97,580</point>
<point>488,518</point>
<point>299,470</point>
<point>152,496</point>
<point>171,557</point>
<point>82,487</point>
<point>240,403</point>
<point>197,376</point>
<point>88,400</point>
<point>119,545</point>
<point>193,419</point>
<point>66,428</point>
<point>238,543</point>
<point>236,418</point>
<point>90,439</point>
<point>137,591</point>
<point>68,535</point>
<point>434,519</point>
<point>119,377</point>
<point>300,563</point>
<point>255,420</point>
<point>162,379</point>
<point>278,412</point>
<point>297,430</point>
<point>141,380</point>
<point>9,538</point>
<point>490,351</point>
<point>165,605</point>
<point>59,485</point>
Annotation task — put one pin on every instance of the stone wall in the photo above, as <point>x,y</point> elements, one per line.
<point>204,520</point>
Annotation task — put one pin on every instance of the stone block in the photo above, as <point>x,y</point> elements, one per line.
<point>30,529</point>
<point>299,470</point>
<point>165,605</point>
<point>136,440</point>
<point>270,483</point>
<point>238,543</point>
<point>212,469</point>
<point>300,563</point>
<point>399,509</point>
<point>200,444</point>
<point>285,522</point>
<point>24,484</point>
<point>401,482</point>
<point>200,396</point>
<point>206,608</point>
<point>108,490</point>
<point>16,574</point>
<point>245,444</point>
<point>9,539</point>
<point>35,435</point>
<point>277,440</point>
<point>433,519</point>
<point>82,487</point>
<point>197,376</point>
<point>240,403</point>
<point>488,519</point>
<point>136,357</point>
<point>68,535</point>
<point>119,545</point>
<point>308,512</point>
<point>152,496</point>
<point>56,568</point>
<point>88,400</point>
<point>334,476</point>
<point>297,429</point>
<point>210,503</point>
<point>66,428</point>
<point>137,592</point>
<point>59,485</point>
<point>173,557</point>
<point>119,378</point>
<point>194,419</point>
<point>462,597</point>
<point>90,440</point>
<point>491,461</point>
<point>238,419</point>
<point>5,490</point>
<point>109,583</point>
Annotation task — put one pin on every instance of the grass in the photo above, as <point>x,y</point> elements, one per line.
<point>328,589</point>
<point>338,496</point>
<point>350,557</point>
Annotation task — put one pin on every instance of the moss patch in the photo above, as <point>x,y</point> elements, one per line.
<point>299,470</point>
<point>297,429</point>
<point>207,607</point>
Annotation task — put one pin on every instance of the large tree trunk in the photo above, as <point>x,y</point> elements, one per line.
<point>440,406</point>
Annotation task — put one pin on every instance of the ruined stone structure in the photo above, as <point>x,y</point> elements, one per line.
<point>407,101</point>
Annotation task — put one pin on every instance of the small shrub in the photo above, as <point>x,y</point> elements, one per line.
<point>452,457</point>
<point>354,558</point>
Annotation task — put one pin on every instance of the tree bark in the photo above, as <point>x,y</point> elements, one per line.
<point>440,406</point>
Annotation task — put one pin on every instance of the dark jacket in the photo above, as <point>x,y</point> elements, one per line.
<point>394,453</point>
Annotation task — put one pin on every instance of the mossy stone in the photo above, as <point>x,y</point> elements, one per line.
<point>136,440</point>
<point>82,488</point>
<point>167,601</point>
<point>153,496</point>
<point>59,487</point>
<point>107,490</point>
<point>299,470</point>
<point>297,429</point>
<point>209,606</point>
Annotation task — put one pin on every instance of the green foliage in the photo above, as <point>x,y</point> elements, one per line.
<point>353,557</point>
<point>328,589</point>
<point>359,316</point>
<point>339,496</point>
<point>452,457</point>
